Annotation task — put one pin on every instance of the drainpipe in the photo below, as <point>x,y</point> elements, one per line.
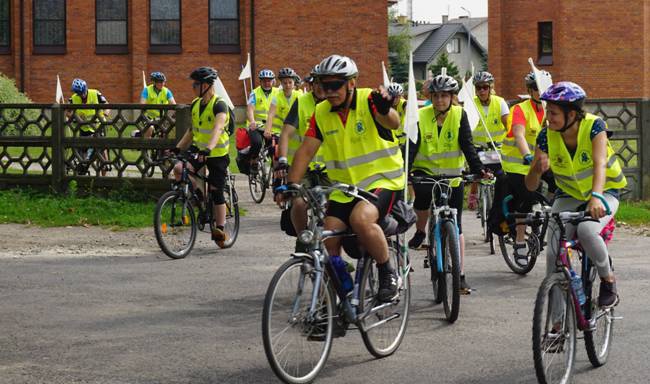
<point>22,46</point>
<point>252,39</point>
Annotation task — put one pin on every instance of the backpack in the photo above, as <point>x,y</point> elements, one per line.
<point>231,122</point>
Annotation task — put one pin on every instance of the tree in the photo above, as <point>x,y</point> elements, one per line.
<point>399,47</point>
<point>443,61</point>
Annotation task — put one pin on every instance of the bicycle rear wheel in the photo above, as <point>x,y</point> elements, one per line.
<point>554,331</point>
<point>598,337</point>
<point>175,225</point>
<point>450,276</point>
<point>384,326</point>
<point>257,182</point>
<point>483,210</point>
<point>296,343</point>
<point>232,214</point>
<point>507,244</point>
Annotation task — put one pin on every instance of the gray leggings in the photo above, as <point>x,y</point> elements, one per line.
<point>588,234</point>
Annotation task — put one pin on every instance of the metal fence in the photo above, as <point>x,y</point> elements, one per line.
<point>51,145</point>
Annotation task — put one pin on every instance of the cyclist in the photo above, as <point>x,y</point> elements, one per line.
<point>516,155</point>
<point>257,111</point>
<point>443,145</point>
<point>293,133</point>
<point>353,129</point>
<point>210,118</point>
<point>281,102</point>
<point>155,93</point>
<point>494,113</point>
<point>399,104</point>
<point>575,145</point>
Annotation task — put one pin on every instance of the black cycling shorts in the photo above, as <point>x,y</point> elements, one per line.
<point>384,203</point>
<point>217,168</point>
<point>423,195</point>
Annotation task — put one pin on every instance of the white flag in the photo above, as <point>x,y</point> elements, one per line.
<point>220,90</point>
<point>59,99</point>
<point>246,72</point>
<point>144,81</point>
<point>543,79</point>
<point>385,74</point>
<point>466,95</point>
<point>411,119</point>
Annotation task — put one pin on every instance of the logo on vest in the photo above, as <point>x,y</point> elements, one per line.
<point>584,158</point>
<point>449,136</point>
<point>359,128</point>
<point>558,161</point>
<point>496,121</point>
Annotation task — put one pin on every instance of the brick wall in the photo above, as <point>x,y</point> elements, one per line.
<point>286,34</point>
<point>595,44</point>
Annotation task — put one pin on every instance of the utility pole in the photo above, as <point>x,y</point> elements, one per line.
<point>469,37</point>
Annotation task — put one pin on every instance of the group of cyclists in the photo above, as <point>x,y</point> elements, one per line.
<point>338,132</point>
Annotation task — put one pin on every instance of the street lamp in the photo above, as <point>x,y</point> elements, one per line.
<point>469,37</point>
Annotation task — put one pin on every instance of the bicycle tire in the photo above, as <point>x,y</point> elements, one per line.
<point>483,213</point>
<point>433,267</point>
<point>232,216</point>
<point>554,287</point>
<point>394,329</point>
<point>597,344</point>
<point>163,225</point>
<point>506,244</point>
<point>451,274</point>
<point>290,322</point>
<point>257,183</point>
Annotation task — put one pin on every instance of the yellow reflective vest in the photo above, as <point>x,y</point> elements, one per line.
<point>439,154</point>
<point>306,108</point>
<point>155,97</point>
<point>574,175</point>
<point>355,153</point>
<point>282,109</point>
<point>203,124</point>
<point>492,121</point>
<point>87,114</point>
<point>262,103</point>
<point>512,160</point>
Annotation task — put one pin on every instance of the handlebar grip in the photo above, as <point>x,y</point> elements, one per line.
<point>504,205</point>
<point>602,200</point>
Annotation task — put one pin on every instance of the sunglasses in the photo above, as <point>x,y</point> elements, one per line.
<point>482,87</point>
<point>332,85</point>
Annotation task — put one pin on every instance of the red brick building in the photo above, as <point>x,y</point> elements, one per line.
<point>110,42</point>
<point>604,46</point>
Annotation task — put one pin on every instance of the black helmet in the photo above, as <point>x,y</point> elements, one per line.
<point>157,76</point>
<point>204,75</point>
<point>443,83</point>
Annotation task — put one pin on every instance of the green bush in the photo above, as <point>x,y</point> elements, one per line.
<point>10,94</point>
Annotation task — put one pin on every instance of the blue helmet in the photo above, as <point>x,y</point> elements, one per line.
<point>565,93</point>
<point>79,86</point>
<point>266,74</point>
<point>157,76</point>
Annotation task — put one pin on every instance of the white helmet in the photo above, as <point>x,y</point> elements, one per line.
<point>336,65</point>
<point>394,89</point>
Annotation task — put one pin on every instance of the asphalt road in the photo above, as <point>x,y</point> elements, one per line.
<point>87,305</point>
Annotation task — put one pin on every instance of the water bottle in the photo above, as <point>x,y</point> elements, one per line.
<point>342,272</point>
<point>576,284</point>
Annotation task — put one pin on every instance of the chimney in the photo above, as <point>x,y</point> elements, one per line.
<point>402,19</point>
<point>445,18</point>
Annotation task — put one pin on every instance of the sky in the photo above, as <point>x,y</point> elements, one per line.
<point>432,10</point>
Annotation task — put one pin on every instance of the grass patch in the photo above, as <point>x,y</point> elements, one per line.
<point>634,212</point>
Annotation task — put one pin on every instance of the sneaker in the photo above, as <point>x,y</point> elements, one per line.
<point>521,255</point>
<point>472,201</point>
<point>219,236</point>
<point>465,289</point>
<point>387,286</point>
<point>607,297</point>
<point>417,239</point>
<point>553,342</point>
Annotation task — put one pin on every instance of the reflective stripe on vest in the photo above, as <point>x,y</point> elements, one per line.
<point>203,125</point>
<point>439,154</point>
<point>282,109</point>
<point>154,97</point>
<point>86,114</point>
<point>512,160</point>
<point>575,175</point>
<point>355,153</point>
<point>492,120</point>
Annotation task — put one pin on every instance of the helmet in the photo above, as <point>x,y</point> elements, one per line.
<point>314,71</point>
<point>530,78</point>
<point>443,83</point>
<point>483,77</point>
<point>204,75</point>
<point>336,65</point>
<point>157,76</point>
<point>287,72</point>
<point>266,74</point>
<point>395,90</point>
<point>565,93</point>
<point>79,86</point>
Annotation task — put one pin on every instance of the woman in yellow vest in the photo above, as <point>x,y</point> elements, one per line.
<point>155,93</point>
<point>586,170</point>
<point>444,143</point>
<point>354,128</point>
<point>281,102</point>
<point>208,134</point>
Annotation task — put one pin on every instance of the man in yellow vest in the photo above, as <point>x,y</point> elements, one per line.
<point>257,111</point>
<point>281,102</point>
<point>295,126</point>
<point>353,128</point>
<point>208,134</point>
<point>444,143</point>
<point>516,155</point>
<point>494,113</point>
<point>588,177</point>
<point>155,93</point>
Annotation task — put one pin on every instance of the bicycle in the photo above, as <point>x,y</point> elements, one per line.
<point>259,176</point>
<point>175,222</point>
<point>558,313</point>
<point>443,240</point>
<point>486,196</point>
<point>151,157</point>
<point>535,234</point>
<point>306,305</point>
<point>79,161</point>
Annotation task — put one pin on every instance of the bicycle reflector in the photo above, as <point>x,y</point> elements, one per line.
<point>163,227</point>
<point>186,219</point>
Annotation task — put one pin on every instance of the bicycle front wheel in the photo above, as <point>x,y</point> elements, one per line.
<point>384,324</point>
<point>433,266</point>
<point>232,215</point>
<point>450,275</point>
<point>175,225</point>
<point>483,210</point>
<point>598,337</point>
<point>297,342</point>
<point>554,331</point>
<point>257,182</point>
